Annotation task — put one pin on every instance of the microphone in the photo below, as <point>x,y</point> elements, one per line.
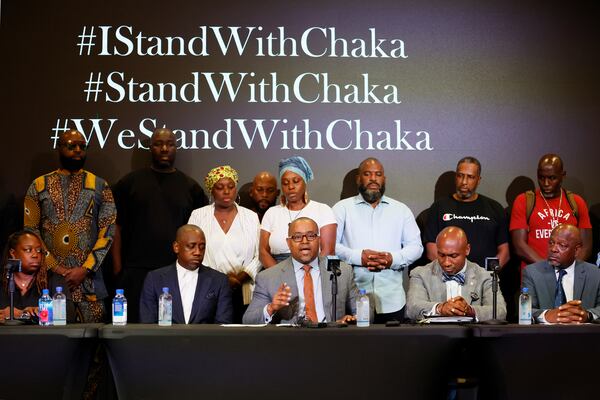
<point>12,266</point>
<point>333,265</point>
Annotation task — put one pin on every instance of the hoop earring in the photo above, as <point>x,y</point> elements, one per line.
<point>210,199</point>
<point>306,197</point>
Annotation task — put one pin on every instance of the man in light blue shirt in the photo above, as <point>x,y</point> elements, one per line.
<point>379,237</point>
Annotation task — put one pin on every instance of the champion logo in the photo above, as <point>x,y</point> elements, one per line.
<point>450,217</point>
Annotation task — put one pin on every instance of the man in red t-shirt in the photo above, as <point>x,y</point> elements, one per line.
<point>551,207</point>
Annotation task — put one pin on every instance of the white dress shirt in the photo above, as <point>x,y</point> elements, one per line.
<point>453,289</point>
<point>188,281</point>
<point>568,282</point>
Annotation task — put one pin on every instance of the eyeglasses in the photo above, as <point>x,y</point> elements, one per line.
<point>73,146</point>
<point>310,236</point>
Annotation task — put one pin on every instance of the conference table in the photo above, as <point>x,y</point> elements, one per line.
<point>46,362</point>
<point>208,361</point>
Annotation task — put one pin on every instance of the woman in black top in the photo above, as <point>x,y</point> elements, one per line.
<point>27,247</point>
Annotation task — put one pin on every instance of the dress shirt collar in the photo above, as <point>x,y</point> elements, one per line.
<point>181,271</point>
<point>358,199</point>
<point>569,270</point>
<point>298,266</point>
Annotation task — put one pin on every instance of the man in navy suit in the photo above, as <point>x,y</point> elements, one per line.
<point>201,295</point>
<point>563,289</point>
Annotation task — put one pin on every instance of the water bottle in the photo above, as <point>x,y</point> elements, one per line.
<point>59,305</point>
<point>165,308</point>
<point>362,309</point>
<point>119,309</point>
<point>524,307</point>
<point>45,308</point>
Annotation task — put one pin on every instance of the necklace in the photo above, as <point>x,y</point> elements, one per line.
<point>297,214</point>
<point>554,221</point>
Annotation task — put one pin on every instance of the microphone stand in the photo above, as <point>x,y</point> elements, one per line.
<point>495,320</point>
<point>333,266</point>
<point>11,289</point>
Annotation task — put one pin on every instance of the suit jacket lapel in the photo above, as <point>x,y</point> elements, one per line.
<point>579,281</point>
<point>326,289</point>
<point>173,284</point>
<point>289,276</point>
<point>438,287</point>
<point>204,281</point>
<point>549,277</point>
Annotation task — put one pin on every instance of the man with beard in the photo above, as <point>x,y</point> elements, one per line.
<point>483,219</point>
<point>379,237</point>
<point>152,203</point>
<point>562,289</point>
<point>263,193</point>
<point>74,213</point>
<point>535,214</point>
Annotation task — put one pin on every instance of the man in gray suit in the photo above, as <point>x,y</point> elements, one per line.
<point>300,285</point>
<point>563,290</point>
<point>442,287</point>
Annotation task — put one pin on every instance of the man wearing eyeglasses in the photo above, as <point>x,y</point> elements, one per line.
<point>74,213</point>
<point>300,285</point>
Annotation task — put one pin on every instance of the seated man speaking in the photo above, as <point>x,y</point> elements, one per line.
<point>563,290</point>
<point>300,284</point>
<point>442,287</point>
<point>201,295</point>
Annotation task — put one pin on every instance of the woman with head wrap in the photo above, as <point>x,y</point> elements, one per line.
<point>29,282</point>
<point>294,174</point>
<point>231,236</point>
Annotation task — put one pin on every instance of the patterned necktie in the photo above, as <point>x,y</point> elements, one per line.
<point>309,295</point>
<point>559,293</point>
<point>459,278</point>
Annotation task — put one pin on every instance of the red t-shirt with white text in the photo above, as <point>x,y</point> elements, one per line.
<point>546,217</point>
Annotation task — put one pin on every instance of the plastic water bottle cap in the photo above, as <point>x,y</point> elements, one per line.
<point>165,290</point>
<point>59,289</point>
<point>45,291</point>
<point>362,292</point>
<point>525,290</point>
<point>120,291</point>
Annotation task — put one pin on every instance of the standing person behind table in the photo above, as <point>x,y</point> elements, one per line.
<point>549,206</point>
<point>263,193</point>
<point>231,236</point>
<point>294,174</point>
<point>379,237</point>
<point>152,203</point>
<point>74,213</point>
<point>27,247</point>
<point>483,219</point>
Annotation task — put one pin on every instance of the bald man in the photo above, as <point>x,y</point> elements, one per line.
<point>535,214</point>
<point>263,193</point>
<point>563,289</point>
<point>152,203</point>
<point>74,213</point>
<point>451,285</point>
<point>201,295</point>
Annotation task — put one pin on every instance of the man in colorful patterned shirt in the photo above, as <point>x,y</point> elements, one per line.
<point>74,212</point>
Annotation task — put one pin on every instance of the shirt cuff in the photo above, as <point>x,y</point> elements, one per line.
<point>268,317</point>
<point>542,318</point>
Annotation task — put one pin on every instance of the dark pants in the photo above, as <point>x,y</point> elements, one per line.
<point>396,315</point>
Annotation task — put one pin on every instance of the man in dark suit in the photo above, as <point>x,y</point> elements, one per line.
<point>201,295</point>
<point>563,289</point>
<point>300,284</point>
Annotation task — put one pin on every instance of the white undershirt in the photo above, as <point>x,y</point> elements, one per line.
<point>187,289</point>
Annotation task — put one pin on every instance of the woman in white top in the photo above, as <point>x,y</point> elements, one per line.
<point>294,173</point>
<point>232,233</point>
